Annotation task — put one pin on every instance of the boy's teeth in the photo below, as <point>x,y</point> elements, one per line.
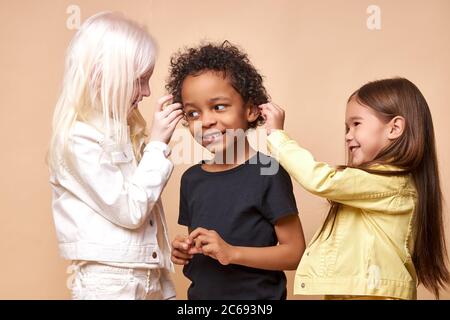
<point>211,135</point>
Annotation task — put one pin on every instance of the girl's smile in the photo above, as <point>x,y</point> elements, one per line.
<point>366,133</point>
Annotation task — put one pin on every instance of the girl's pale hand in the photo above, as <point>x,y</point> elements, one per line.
<point>273,116</point>
<point>165,120</point>
<point>212,245</point>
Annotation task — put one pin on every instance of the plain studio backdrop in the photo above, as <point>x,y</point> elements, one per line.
<point>313,55</point>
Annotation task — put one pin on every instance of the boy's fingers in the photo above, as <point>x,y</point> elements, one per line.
<point>200,240</point>
<point>194,234</point>
<point>194,250</point>
<point>207,249</point>
<point>181,255</point>
<point>179,237</point>
<point>198,243</point>
<point>180,245</point>
<point>179,261</point>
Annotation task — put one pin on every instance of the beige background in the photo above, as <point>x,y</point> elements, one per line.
<point>313,54</point>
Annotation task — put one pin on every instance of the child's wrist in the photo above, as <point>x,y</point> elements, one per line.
<point>235,255</point>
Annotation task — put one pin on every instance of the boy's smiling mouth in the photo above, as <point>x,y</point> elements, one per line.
<point>211,136</point>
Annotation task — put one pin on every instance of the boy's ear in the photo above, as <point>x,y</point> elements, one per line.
<point>396,127</point>
<point>252,113</point>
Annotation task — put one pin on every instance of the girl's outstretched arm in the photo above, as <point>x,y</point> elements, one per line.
<point>284,256</point>
<point>350,186</point>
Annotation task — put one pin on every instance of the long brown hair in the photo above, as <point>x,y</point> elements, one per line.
<point>414,153</point>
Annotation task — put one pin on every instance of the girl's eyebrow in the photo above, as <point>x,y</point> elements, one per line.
<point>355,118</point>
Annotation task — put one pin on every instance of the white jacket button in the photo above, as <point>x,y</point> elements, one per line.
<point>154,255</point>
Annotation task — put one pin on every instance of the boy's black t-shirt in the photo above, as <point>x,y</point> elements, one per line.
<point>241,205</point>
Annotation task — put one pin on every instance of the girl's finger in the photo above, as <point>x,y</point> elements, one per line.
<point>171,108</point>
<point>268,114</point>
<point>174,115</point>
<point>175,121</point>
<point>272,107</point>
<point>162,101</point>
<point>278,108</point>
<point>263,113</point>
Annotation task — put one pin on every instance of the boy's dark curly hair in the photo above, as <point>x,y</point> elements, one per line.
<point>225,58</point>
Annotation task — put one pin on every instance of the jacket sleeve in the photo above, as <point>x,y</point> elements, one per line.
<point>117,190</point>
<point>349,186</point>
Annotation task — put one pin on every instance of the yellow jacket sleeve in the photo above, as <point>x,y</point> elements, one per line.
<point>350,186</point>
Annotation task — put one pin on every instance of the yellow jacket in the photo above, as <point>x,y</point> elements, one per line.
<point>369,250</point>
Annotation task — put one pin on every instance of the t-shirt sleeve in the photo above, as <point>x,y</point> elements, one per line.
<point>278,200</point>
<point>184,217</point>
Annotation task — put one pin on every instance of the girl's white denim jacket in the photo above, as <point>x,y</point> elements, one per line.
<point>106,208</point>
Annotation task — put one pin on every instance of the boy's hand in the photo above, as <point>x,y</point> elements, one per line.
<point>181,246</point>
<point>165,120</point>
<point>273,116</point>
<point>212,245</point>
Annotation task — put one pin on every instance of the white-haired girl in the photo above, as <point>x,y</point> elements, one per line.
<point>106,181</point>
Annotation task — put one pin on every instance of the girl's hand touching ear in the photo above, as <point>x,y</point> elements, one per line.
<point>165,120</point>
<point>273,116</point>
<point>212,245</point>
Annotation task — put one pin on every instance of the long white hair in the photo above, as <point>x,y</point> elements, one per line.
<point>103,64</point>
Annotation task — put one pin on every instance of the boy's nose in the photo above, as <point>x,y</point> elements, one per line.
<point>208,119</point>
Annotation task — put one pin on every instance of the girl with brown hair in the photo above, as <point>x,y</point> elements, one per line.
<point>384,232</point>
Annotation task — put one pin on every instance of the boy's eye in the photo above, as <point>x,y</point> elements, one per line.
<point>356,124</point>
<point>219,107</point>
<point>191,115</point>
